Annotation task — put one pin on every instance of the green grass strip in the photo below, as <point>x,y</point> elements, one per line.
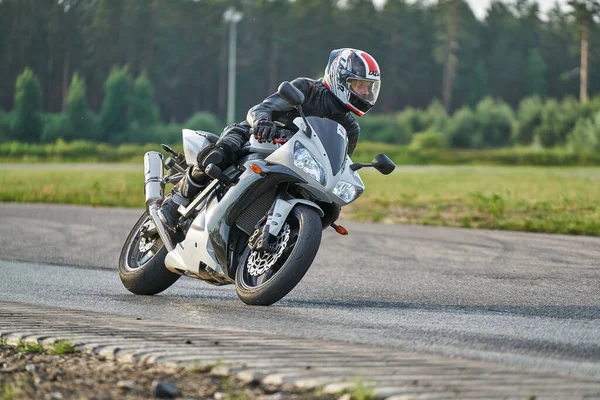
<point>538,199</point>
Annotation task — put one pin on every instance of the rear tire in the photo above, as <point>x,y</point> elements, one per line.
<point>143,272</point>
<point>278,280</point>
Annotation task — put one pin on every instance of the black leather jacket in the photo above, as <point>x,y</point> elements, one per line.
<point>318,102</point>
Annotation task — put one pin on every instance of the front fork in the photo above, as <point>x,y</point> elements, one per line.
<point>275,220</point>
<point>154,191</point>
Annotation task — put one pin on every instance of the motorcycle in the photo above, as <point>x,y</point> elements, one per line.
<point>258,223</point>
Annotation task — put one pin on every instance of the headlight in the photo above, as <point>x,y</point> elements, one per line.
<point>307,163</point>
<point>347,191</point>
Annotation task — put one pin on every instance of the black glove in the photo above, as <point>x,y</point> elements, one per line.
<point>265,131</point>
<point>220,155</point>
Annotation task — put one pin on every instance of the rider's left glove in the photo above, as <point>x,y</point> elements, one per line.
<point>265,131</point>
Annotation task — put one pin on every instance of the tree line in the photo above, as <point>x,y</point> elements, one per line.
<point>129,114</point>
<point>426,49</point>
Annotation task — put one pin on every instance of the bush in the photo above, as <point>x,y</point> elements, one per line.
<point>437,118</point>
<point>428,140</point>
<point>464,130</point>
<point>557,121</point>
<point>496,119</point>
<point>416,120</point>
<point>548,132</point>
<point>27,123</point>
<point>169,134</point>
<point>204,121</point>
<point>586,135</point>
<point>384,128</point>
<point>589,109</point>
<point>21,150</point>
<point>56,126</point>
<point>529,117</point>
<point>5,126</point>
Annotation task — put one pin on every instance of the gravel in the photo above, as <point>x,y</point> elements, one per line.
<point>84,376</point>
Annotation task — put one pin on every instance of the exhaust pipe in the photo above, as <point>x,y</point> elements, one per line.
<point>154,191</point>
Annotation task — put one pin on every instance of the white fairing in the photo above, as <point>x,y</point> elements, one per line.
<point>284,155</point>
<point>196,248</point>
<point>193,142</point>
<point>195,254</point>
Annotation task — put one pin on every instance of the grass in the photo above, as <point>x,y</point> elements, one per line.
<point>231,393</point>
<point>98,185</point>
<point>538,199</point>
<point>29,347</point>
<point>62,346</point>
<point>8,392</point>
<point>360,390</point>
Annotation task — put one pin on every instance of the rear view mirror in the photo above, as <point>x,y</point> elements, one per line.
<point>383,164</point>
<point>290,94</point>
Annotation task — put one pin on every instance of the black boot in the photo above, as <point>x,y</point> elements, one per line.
<point>187,188</point>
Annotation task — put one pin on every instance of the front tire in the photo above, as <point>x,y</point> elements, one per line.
<point>142,261</point>
<point>302,237</point>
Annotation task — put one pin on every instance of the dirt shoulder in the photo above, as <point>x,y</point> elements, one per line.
<point>28,374</point>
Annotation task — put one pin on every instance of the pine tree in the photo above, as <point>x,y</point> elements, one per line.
<point>28,124</point>
<point>114,119</point>
<point>78,113</point>
<point>536,73</point>
<point>144,112</point>
<point>584,12</point>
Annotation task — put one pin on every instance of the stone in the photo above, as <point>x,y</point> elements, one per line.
<point>163,390</point>
<point>126,385</point>
<point>30,368</point>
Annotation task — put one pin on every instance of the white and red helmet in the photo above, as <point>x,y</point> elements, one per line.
<point>353,76</point>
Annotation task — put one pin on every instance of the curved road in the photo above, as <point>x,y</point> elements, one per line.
<point>524,300</point>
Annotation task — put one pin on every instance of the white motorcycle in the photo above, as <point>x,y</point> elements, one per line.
<point>258,224</point>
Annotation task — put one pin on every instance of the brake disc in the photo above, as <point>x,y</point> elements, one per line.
<point>259,262</point>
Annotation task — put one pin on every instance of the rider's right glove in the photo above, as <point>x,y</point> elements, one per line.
<point>265,131</point>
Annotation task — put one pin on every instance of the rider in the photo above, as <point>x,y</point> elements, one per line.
<point>350,85</point>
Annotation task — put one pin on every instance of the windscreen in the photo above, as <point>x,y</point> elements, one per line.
<point>333,137</point>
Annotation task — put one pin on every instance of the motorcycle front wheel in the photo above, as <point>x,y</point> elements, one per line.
<point>142,262</point>
<point>265,278</point>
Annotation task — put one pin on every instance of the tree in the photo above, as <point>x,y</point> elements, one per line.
<point>447,53</point>
<point>144,112</point>
<point>28,124</point>
<point>114,119</point>
<point>536,73</point>
<point>103,34</point>
<point>478,87</point>
<point>457,29</point>
<point>79,116</point>
<point>584,12</point>
<point>408,75</point>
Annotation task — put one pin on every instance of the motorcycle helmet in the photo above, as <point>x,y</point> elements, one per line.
<point>353,76</point>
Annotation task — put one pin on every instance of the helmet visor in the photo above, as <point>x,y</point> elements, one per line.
<point>365,90</point>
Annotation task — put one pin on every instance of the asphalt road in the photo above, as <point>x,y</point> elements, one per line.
<point>527,300</point>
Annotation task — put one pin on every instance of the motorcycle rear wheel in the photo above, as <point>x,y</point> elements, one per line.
<point>257,287</point>
<point>142,261</point>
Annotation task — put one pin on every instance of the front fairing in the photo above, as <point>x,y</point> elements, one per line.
<point>284,155</point>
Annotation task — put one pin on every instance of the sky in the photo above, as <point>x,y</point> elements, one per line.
<point>479,7</point>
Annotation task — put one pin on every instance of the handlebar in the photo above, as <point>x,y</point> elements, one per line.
<point>285,135</point>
